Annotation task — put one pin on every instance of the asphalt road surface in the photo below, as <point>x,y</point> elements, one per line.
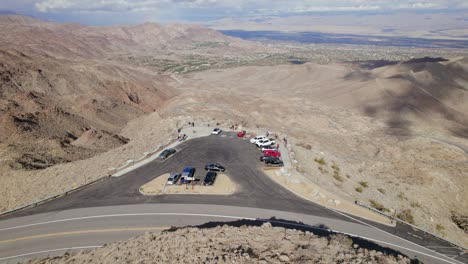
<point>51,233</point>
<point>256,190</point>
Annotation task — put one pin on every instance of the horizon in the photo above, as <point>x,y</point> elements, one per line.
<point>125,12</point>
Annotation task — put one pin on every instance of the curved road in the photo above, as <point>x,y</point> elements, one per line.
<point>258,196</point>
<point>50,233</point>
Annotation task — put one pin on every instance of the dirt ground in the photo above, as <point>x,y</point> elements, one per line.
<point>227,244</point>
<point>300,185</point>
<point>222,186</point>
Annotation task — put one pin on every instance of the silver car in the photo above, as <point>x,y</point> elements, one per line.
<point>173,178</point>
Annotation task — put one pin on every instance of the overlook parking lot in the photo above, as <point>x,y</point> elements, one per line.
<point>240,158</point>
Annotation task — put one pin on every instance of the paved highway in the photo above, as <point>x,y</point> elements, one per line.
<point>91,227</point>
<point>257,193</point>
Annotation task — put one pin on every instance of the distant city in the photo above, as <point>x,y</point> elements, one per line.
<point>326,38</point>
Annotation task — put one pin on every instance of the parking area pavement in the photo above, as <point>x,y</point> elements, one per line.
<point>255,189</point>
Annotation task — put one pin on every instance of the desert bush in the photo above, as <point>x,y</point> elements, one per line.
<point>335,167</point>
<point>382,190</point>
<point>322,170</point>
<point>415,204</point>
<point>359,189</point>
<point>320,161</point>
<point>406,215</point>
<point>402,196</point>
<point>440,228</point>
<point>338,177</point>
<point>379,206</point>
<point>364,184</point>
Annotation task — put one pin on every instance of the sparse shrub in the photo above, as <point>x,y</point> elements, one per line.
<point>364,184</point>
<point>406,215</point>
<point>349,176</point>
<point>335,167</point>
<point>402,196</point>
<point>320,161</point>
<point>440,228</point>
<point>379,206</point>
<point>322,170</point>
<point>415,204</point>
<point>359,189</point>
<point>338,177</point>
<point>382,190</point>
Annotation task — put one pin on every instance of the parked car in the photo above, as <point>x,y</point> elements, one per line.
<point>272,153</point>
<point>265,142</point>
<point>241,133</point>
<point>173,178</point>
<point>216,131</point>
<point>166,153</point>
<point>188,174</point>
<point>214,167</point>
<point>274,161</point>
<point>210,178</point>
<point>265,148</point>
<point>265,158</point>
<point>257,138</point>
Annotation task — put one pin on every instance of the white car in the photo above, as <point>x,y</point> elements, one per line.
<point>257,138</point>
<point>216,131</point>
<point>265,142</point>
<point>269,148</point>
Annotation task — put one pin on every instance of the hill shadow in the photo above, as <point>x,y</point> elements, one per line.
<point>429,85</point>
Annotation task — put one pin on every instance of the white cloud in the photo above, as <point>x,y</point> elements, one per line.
<point>272,6</point>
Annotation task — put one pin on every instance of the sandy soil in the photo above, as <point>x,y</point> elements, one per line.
<point>307,189</point>
<point>226,244</point>
<point>222,186</point>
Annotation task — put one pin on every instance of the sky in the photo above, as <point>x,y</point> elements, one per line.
<point>109,12</point>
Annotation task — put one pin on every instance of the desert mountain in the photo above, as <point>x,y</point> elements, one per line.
<point>75,40</point>
<point>59,81</point>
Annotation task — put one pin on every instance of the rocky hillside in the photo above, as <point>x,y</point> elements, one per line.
<point>68,90</point>
<point>79,41</point>
<point>47,104</point>
<point>59,82</point>
<point>226,244</point>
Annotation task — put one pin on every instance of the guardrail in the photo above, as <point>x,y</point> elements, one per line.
<point>413,226</point>
<point>146,155</point>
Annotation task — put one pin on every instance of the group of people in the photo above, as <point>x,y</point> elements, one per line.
<point>182,137</point>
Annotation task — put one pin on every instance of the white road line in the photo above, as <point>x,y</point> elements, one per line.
<point>364,223</point>
<point>253,219</point>
<point>47,251</point>
<point>116,215</point>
